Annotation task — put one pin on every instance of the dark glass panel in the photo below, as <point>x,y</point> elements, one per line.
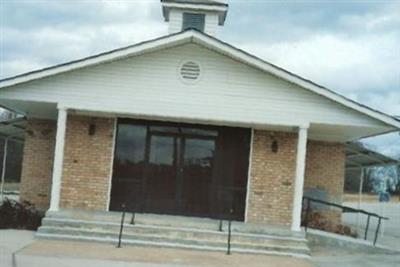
<point>197,131</point>
<point>129,161</point>
<point>198,160</point>
<point>233,158</point>
<point>181,168</point>
<point>162,175</point>
<point>199,153</point>
<point>130,151</point>
<point>164,129</point>
<point>162,151</point>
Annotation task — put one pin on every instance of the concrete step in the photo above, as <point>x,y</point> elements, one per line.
<point>167,236</point>
<point>299,248</point>
<point>194,233</point>
<point>174,232</point>
<point>168,245</point>
<point>178,244</point>
<point>175,221</point>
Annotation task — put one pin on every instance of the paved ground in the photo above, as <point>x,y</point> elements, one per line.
<point>328,257</point>
<point>12,241</point>
<point>94,254</point>
<point>390,236</point>
<point>357,260</point>
<point>43,253</point>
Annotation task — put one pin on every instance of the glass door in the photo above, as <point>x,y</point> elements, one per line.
<point>183,169</point>
<point>161,174</point>
<point>197,174</point>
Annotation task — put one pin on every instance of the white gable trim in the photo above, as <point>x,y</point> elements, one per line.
<point>213,44</point>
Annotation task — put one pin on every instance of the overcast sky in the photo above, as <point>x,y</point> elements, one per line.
<point>351,47</point>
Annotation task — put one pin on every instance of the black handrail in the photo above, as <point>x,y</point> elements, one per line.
<point>228,251</point>
<point>345,209</point>
<point>366,228</point>
<point>122,225</point>
<point>133,218</point>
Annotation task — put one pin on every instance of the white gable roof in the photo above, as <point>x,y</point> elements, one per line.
<point>193,36</point>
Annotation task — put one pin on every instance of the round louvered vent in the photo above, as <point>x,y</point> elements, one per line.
<point>190,71</point>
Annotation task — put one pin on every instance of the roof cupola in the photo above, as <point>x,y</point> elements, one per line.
<point>202,15</point>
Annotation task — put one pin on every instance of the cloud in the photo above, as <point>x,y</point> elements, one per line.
<point>347,64</point>
<point>348,46</point>
<point>33,37</point>
<point>388,144</point>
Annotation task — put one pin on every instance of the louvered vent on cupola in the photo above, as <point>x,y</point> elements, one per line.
<point>203,15</point>
<point>190,71</point>
<point>193,21</point>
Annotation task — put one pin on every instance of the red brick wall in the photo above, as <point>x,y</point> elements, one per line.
<point>37,164</point>
<point>87,163</point>
<point>272,174</point>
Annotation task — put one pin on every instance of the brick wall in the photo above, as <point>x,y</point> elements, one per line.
<point>37,164</point>
<point>87,163</point>
<point>271,178</point>
<point>324,177</point>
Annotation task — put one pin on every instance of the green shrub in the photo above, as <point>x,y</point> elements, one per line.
<point>19,215</point>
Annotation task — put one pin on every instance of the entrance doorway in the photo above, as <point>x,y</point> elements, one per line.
<point>180,169</point>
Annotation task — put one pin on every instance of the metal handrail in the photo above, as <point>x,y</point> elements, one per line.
<point>228,251</point>
<point>220,227</point>
<point>133,218</point>
<point>122,225</point>
<point>345,209</point>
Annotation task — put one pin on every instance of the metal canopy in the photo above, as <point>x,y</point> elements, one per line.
<point>13,129</point>
<point>358,157</point>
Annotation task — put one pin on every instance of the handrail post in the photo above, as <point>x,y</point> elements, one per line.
<point>133,218</point>
<point>307,212</point>
<point>122,226</point>
<point>366,228</point>
<point>344,209</point>
<point>220,225</point>
<point>228,252</point>
<point>377,230</point>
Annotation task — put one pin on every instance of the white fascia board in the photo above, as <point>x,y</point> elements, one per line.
<point>156,44</point>
<point>206,7</point>
<point>254,61</point>
<point>298,123</point>
<point>220,9</point>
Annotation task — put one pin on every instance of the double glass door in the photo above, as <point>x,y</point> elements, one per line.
<point>179,176</point>
<point>169,168</point>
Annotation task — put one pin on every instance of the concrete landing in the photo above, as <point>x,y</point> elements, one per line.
<point>66,253</point>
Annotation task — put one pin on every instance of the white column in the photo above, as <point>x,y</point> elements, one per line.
<point>58,160</point>
<point>299,178</point>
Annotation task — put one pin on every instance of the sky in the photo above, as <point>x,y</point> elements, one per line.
<point>351,47</point>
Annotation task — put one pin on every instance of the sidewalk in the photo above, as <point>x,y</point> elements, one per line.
<point>69,253</point>
<point>391,228</point>
<point>50,253</point>
<point>12,241</point>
